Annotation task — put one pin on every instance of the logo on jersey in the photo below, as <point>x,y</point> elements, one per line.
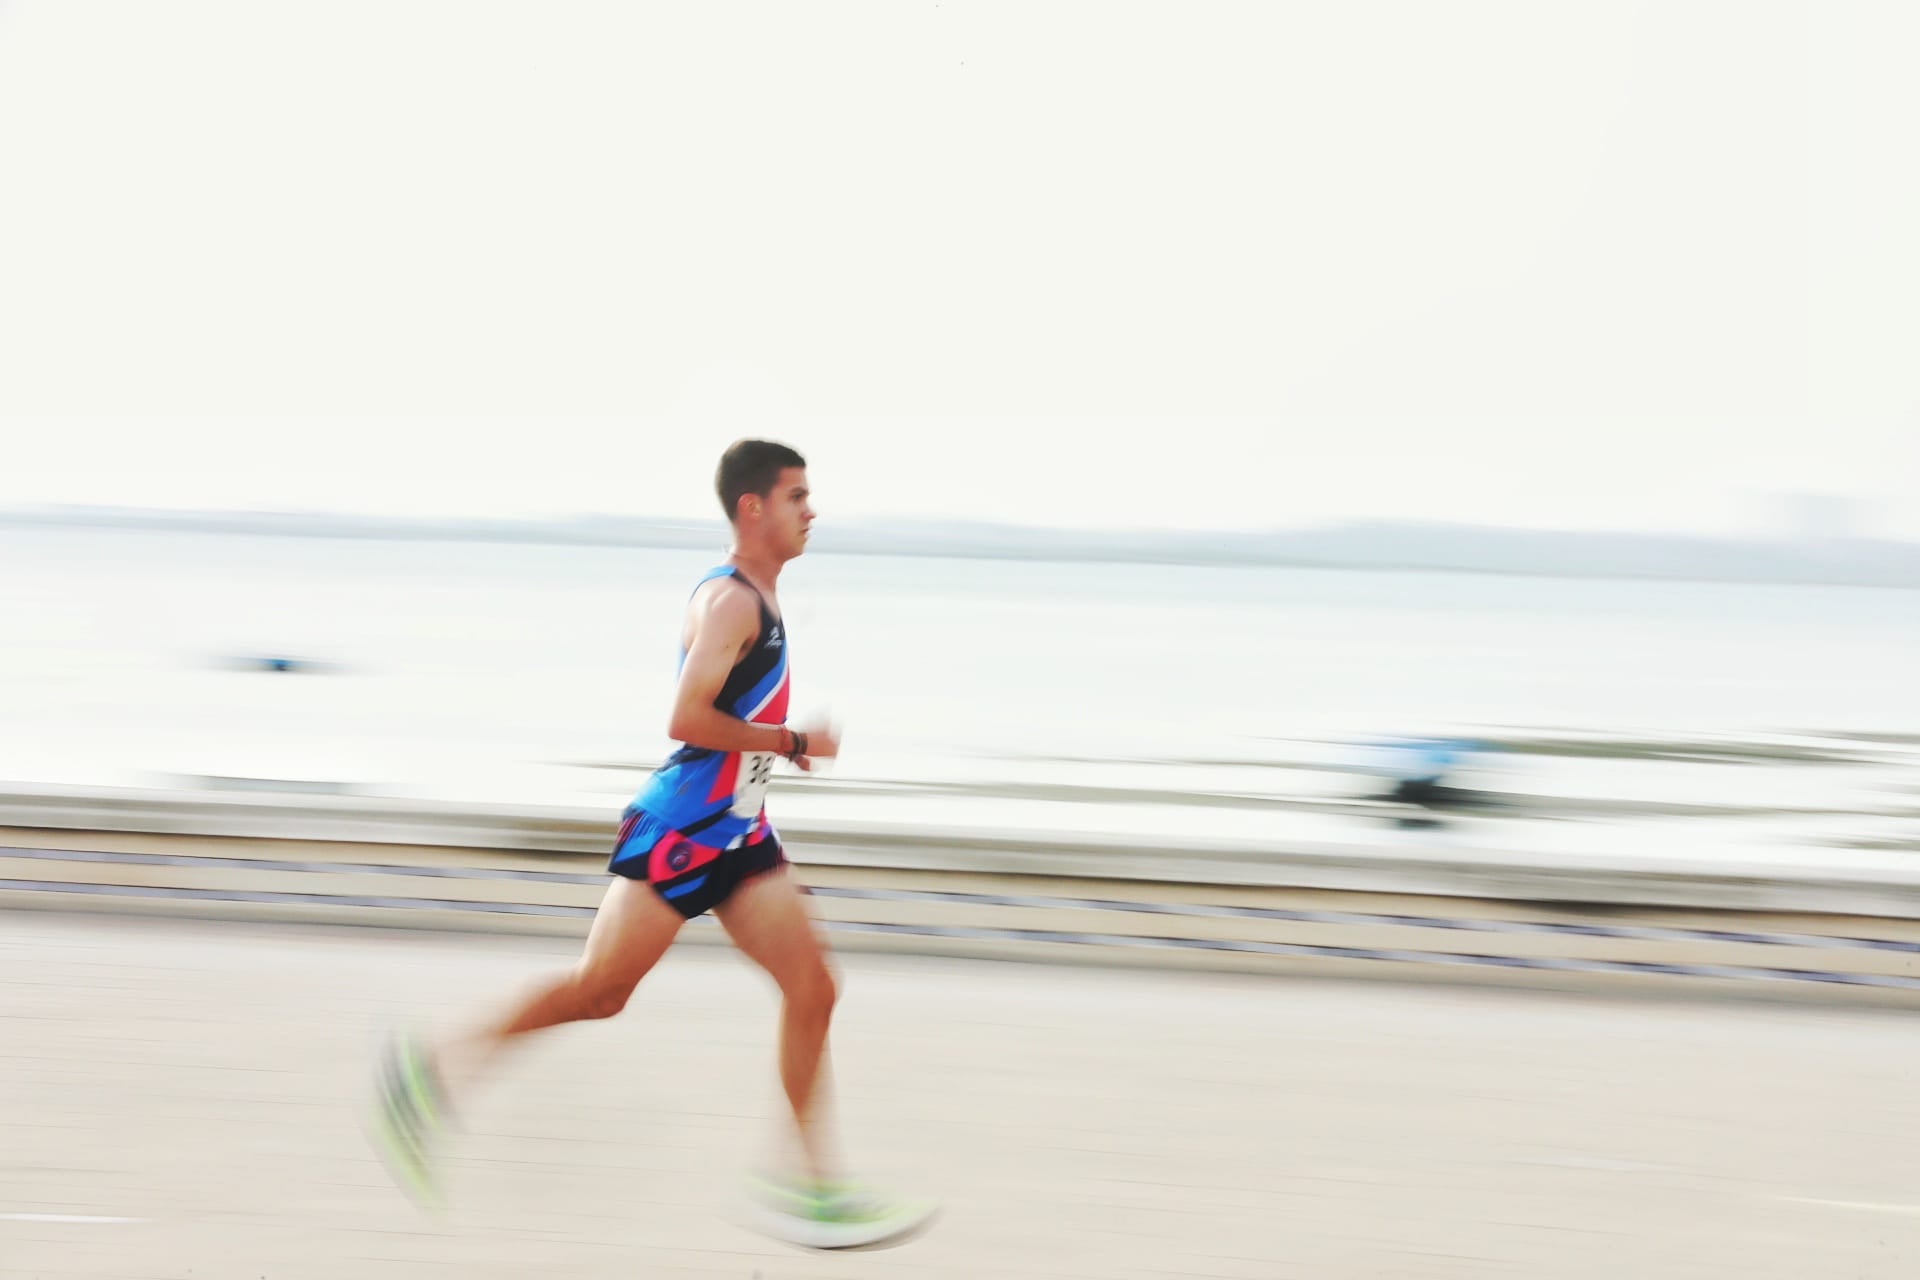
<point>773,640</point>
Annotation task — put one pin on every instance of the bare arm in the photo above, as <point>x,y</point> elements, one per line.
<point>723,621</point>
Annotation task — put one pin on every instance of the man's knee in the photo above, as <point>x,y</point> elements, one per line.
<point>814,991</point>
<point>598,994</point>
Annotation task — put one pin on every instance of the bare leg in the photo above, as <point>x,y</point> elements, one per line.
<point>768,920</point>
<point>631,931</point>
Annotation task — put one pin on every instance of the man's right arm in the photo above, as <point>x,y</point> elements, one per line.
<point>723,620</point>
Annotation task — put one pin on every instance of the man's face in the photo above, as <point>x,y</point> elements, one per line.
<point>786,514</point>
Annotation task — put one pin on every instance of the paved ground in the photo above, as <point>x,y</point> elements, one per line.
<point>201,1081</point>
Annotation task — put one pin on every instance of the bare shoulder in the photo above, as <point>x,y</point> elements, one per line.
<point>725,597</point>
<point>724,606</point>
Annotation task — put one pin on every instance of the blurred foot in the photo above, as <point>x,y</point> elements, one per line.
<point>409,1117</point>
<point>836,1214</point>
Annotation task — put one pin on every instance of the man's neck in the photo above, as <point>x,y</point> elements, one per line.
<point>761,569</point>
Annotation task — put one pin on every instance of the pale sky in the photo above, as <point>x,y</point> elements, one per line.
<point>1608,264</point>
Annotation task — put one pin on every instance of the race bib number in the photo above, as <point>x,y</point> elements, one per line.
<point>750,789</point>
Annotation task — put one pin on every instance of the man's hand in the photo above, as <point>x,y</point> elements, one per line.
<point>823,743</point>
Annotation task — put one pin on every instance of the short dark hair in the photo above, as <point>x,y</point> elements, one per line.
<point>751,466</point>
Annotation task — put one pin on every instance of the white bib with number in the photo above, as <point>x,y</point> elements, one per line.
<point>750,787</point>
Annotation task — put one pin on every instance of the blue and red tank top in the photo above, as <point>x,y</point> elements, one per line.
<point>719,797</point>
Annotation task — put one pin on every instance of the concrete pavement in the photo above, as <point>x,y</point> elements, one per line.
<point>178,1099</point>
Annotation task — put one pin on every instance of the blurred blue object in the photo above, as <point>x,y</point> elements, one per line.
<point>1425,774</point>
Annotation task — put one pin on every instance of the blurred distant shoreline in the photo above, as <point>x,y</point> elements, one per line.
<point>1382,545</point>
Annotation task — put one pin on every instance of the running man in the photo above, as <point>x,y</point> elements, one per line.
<point>697,839</point>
